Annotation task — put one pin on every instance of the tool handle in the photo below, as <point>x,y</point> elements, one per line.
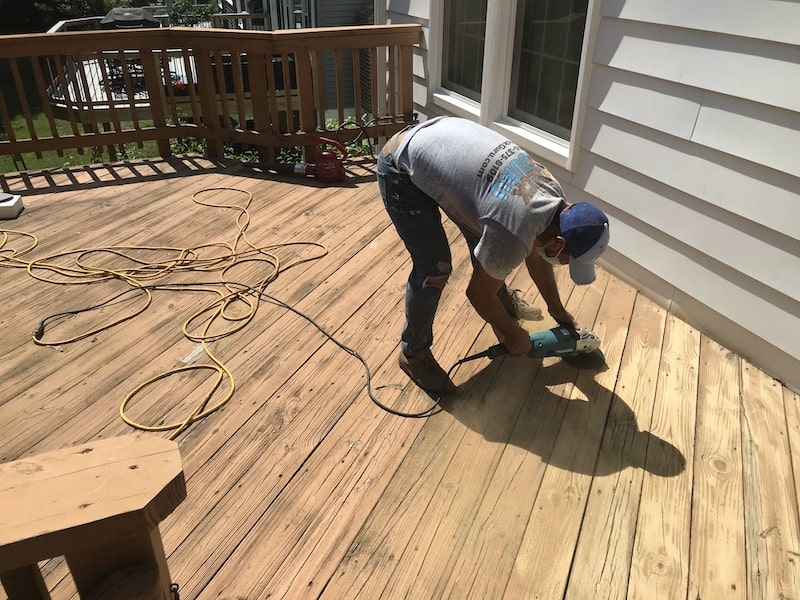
<point>551,342</point>
<point>499,350</point>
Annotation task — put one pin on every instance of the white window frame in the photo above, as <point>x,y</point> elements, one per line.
<point>492,110</point>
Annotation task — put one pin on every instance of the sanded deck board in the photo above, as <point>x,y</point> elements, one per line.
<point>373,557</point>
<point>492,431</point>
<point>540,569</point>
<point>771,519</point>
<point>791,403</point>
<point>521,448</point>
<point>399,519</point>
<point>717,565</point>
<point>453,502</point>
<point>605,545</point>
<point>485,423</point>
<point>660,558</point>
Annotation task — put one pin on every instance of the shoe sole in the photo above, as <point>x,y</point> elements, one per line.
<point>441,392</point>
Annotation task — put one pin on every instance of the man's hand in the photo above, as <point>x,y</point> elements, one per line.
<point>519,343</point>
<point>541,273</point>
<point>482,294</point>
<point>565,319</point>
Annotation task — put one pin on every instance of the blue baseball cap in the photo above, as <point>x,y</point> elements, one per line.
<point>585,231</point>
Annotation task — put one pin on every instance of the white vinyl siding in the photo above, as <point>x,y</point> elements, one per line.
<point>690,141</point>
<point>746,68</point>
<point>758,19</point>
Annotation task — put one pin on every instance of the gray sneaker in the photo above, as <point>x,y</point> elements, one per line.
<point>517,307</point>
<point>423,370</point>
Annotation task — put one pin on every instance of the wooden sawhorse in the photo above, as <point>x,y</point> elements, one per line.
<point>99,506</point>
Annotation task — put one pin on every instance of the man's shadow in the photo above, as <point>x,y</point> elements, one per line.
<point>596,436</point>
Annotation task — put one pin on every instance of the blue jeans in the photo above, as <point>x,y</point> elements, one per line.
<point>418,221</point>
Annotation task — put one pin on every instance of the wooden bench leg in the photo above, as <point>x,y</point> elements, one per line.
<point>25,583</point>
<point>130,567</point>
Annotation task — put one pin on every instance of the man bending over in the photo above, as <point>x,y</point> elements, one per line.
<point>510,210</point>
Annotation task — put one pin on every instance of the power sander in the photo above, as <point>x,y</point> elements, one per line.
<point>558,341</point>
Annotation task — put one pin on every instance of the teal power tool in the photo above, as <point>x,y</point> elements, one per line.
<point>559,341</point>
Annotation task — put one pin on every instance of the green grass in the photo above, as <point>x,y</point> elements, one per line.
<point>51,159</point>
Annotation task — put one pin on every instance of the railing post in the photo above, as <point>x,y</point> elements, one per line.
<point>208,103</point>
<point>305,89</point>
<point>405,81</point>
<point>155,91</point>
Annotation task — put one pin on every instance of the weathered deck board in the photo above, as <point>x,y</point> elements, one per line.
<point>671,473</point>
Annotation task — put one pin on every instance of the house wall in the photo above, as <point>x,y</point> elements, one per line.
<point>339,13</point>
<point>688,139</point>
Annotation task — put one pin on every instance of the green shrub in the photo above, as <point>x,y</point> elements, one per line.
<point>184,13</point>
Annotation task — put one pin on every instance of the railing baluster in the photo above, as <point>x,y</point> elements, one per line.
<point>373,88</point>
<point>257,66</point>
<point>357,83</point>
<point>391,92</point>
<point>239,87</point>
<point>287,92</point>
<point>44,98</point>
<point>319,87</point>
<point>305,89</point>
<point>153,78</point>
<point>339,86</point>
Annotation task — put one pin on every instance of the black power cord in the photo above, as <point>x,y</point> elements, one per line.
<point>435,402</point>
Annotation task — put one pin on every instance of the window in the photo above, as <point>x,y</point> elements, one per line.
<point>465,38</point>
<point>535,59</point>
<point>547,54</point>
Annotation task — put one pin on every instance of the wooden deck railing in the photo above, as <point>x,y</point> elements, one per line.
<point>260,89</point>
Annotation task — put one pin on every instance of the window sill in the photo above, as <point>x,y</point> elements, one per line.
<point>458,105</point>
<point>538,144</point>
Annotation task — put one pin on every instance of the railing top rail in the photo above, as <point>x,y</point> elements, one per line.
<point>288,40</point>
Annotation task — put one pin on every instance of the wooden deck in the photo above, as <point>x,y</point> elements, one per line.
<point>672,472</point>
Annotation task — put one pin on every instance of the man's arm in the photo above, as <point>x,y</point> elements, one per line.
<point>541,273</point>
<point>482,294</point>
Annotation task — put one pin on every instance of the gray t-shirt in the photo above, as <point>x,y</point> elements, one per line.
<point>486,184</point>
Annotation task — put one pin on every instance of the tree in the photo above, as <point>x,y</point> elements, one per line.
<point>185,13</point>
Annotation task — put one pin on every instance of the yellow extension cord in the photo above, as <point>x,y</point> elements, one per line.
<point>185,259</point>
